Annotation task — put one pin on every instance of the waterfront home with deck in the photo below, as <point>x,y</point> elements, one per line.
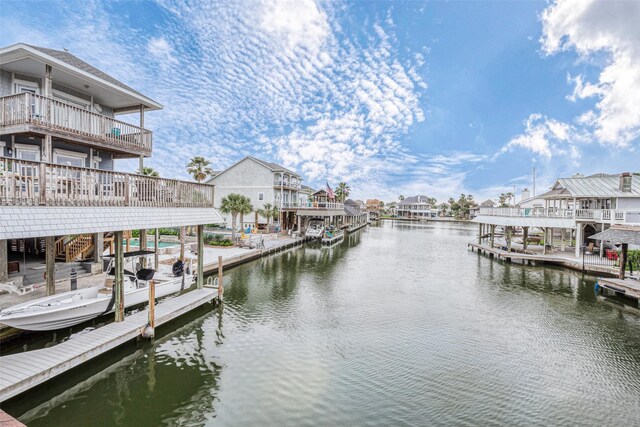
<point>416,207</point>
<point>574,209</point>
<point>60,195</point>
<point>373,208</point>
<point>262,182</point>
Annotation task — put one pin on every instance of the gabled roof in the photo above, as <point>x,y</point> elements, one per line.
<point>273,167</point>
<point>413,200</point>
<point>307,188</point>
<point>488,202</point>
<point>599,185</point>
<point>71,63</point>
<point>351,210</point>
<point>74,61</point>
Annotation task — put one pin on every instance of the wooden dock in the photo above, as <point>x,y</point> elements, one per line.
<point>528,258</point>
<point>621,287</point>
<point>23,371</point>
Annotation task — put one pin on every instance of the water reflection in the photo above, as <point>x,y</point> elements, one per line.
<point>398,325</point>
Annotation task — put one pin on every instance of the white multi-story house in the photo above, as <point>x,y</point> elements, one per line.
<point>416,207</point>
<point>60,195</point>
<point>579,206</point>
<point>262,182</point>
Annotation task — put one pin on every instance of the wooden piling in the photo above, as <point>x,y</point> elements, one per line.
<point>152,304</point>
<point>200,274</point>
<point>623,259</point>
<point>156,259</point>
<point>119,277</point>
<point>50,260</point>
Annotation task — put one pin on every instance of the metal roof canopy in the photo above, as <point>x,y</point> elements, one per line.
<point>509,221</point>
<point>620,234</point>
<point>600,185</point>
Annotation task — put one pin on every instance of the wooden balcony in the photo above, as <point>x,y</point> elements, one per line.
<point>30,113</point>
<point>314,206</point>
<point>26,183</point>
<point>612,216</point>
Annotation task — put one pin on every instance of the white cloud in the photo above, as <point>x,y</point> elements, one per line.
<point>546,137</point>
<point>161,49</point>
<point>592,27</point>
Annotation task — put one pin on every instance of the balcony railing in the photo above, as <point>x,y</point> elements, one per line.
<point>45,184</point>
<point>287,184</point>
<point>37,110</point>
<point>628,216</point>
<point>314,205</point>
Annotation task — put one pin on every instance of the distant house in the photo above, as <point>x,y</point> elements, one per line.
<point>416,207</point>
<point>475,210</point>
<point>580,204</point>
<point>262,182</point>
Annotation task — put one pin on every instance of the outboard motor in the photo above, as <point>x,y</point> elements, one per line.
<point>178,268</point>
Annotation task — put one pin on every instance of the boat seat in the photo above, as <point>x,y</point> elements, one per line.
<point>108,286</point>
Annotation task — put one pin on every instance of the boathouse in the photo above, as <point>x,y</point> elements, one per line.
<point>574,209</point>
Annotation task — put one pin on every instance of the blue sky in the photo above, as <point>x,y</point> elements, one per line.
<point>437,98</point>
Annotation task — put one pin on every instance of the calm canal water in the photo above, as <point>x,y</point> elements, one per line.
<point>399,325</point>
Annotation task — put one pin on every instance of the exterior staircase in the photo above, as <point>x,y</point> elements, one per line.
<point>79,247</point>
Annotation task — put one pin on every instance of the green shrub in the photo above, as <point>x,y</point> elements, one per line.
<point>634,257</point>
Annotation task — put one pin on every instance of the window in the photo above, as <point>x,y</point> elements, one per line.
<point>260,197</point>
<point>69,158</point>
<point>28,152</point>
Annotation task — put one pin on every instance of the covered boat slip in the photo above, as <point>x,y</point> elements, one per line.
<point>22,371</point>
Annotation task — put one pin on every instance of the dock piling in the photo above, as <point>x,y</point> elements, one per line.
<point>220,285</point>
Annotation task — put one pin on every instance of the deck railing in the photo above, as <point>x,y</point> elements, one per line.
<point>45,184</point>
<point>313,205</point>
<point>625,216</point>
<point>37,110</point>
<point>287,184</point>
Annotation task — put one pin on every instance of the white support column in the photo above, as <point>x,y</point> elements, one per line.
<point>141,159</point>
<point>579,230</point>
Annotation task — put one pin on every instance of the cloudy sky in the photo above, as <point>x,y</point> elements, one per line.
<point>435,97</point>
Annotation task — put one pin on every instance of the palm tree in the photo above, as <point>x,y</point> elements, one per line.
<point>401,197</point>
<point>149,171</point>
<point>233,204</point>
<point>342,191</point>
<point>245,207</point>
<point>269,211</point>
<point>199,168</point>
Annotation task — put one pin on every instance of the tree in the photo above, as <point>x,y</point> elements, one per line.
<point>199,168</point>
<point>505,199</point>
<point>401,197</point>
<point>431,202</point>
<point>269,212</point>
<point>149,171</point>
<point>342,191</point>
<point>443,209</point>
<point>234,204</point>
<point>245,208</point>
<point>460,208</point>
<point>381,204</point>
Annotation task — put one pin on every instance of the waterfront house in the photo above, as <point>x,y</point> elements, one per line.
<point>373,208</point>
<point>355,217</point>
<point>262,182</point>
<point>61,197</point>
<point>574,209</point>
<point>416,207</point>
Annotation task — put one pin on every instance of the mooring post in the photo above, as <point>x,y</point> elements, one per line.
<point>50,260</point>
<point>156,260</point>
<point>119,282</point>
<point>479,234</point>
<point>200,274</point>
<point>220,285</point>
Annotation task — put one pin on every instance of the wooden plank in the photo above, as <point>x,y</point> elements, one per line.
<point>20,372</point>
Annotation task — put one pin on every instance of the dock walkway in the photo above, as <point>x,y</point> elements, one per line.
<point>558,259</point>
<point>23,371</point>
<point>627,287</point>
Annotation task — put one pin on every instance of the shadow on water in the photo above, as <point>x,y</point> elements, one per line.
<point>132,381</point>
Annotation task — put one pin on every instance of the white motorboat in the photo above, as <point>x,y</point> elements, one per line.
<point>315,229</point>
<point>77,306</point>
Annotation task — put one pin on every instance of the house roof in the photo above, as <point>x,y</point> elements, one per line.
<point>274,167</point>
<point>488,202</point>
<point>620,234</point>
<point>71,63</point>
<point>351,210</point>
<point>413,200</point>
<point>599,185</point>
<point>307,188</point>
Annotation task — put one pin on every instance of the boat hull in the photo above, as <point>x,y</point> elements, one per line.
<point>80,306</point>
